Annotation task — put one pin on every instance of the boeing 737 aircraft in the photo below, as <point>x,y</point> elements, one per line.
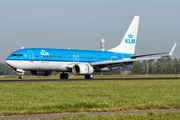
<point>42,61</point>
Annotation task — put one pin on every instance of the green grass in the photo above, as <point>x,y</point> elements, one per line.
<point>158,116</point>
<point>21,98</point>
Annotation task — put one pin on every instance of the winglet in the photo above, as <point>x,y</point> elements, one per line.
<point>172,50</point>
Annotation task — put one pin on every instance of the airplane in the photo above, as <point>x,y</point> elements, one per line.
<point>42,61</point>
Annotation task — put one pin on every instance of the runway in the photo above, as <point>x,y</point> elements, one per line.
<point>50,116</point>
<point>38,80</point>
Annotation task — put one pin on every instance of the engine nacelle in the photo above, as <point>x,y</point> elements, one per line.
<point>41,73</point>
<point>82,69</point>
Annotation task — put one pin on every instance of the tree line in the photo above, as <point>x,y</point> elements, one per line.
<point>161,66</point>
<point>5,70</point>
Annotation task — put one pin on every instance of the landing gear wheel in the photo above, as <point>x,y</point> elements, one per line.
<point>64,76</point>
<point>89,76</point>
<point>20,76</point>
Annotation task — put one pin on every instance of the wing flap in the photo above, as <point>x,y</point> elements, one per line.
<point>143,55</point>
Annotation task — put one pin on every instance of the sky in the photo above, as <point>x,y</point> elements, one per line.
<point>78,24</point>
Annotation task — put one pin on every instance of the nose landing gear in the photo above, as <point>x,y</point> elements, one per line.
<point>20,73</point>
<point>20,76</point>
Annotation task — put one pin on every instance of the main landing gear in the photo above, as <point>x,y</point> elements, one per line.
<point>89,76</point>
<point>64,76</point>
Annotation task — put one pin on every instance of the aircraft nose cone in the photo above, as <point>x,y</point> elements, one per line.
<point>8,63</point>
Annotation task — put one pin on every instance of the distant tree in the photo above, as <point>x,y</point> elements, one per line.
<point>5,70</point>
<point>144,66</point>
<point>138,68</point>
<point>152,67</point>
<point>160,66</point>
<point>169,66</point>
<point>1,69</point>
<point>176,64</point>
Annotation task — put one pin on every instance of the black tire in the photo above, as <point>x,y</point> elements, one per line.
<point>88,76</point>
<point>20,76</point>
<point>64,76</point>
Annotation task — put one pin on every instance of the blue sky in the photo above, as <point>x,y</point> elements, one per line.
<point>78,24</point>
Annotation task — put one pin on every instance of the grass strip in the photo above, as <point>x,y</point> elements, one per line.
<point>22,98</point>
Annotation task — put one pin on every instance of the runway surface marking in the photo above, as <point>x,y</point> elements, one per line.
<point>44,116</point>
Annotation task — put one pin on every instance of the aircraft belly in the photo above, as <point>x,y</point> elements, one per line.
<point>46,65</point>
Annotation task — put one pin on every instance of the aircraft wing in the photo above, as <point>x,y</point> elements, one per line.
<point>123,61</point>
<point>113,64</point>
<point>135,56</point>
<point>127,61</point>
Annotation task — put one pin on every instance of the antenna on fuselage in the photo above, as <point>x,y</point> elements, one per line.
<point>22,47</point>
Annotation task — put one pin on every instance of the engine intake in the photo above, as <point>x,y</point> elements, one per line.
<point>82,69</point>
<point>41,73</point>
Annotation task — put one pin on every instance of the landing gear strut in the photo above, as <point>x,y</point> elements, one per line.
<point>89,76</point>
<point>64,76</point>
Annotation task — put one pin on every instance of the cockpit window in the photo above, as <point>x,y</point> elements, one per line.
<point>19,55</point>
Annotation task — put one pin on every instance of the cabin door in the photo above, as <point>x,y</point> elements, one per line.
<point>31,56</point>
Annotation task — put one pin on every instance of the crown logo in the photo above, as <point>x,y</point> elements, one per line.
<point>130,35</point>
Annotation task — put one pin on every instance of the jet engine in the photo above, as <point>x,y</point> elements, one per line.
<point>41,73</point>
<point>82,69</point>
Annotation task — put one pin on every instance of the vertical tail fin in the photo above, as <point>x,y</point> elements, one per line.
<point>128,43</point>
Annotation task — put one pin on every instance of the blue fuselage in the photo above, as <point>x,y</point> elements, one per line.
<point>65,55</point>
